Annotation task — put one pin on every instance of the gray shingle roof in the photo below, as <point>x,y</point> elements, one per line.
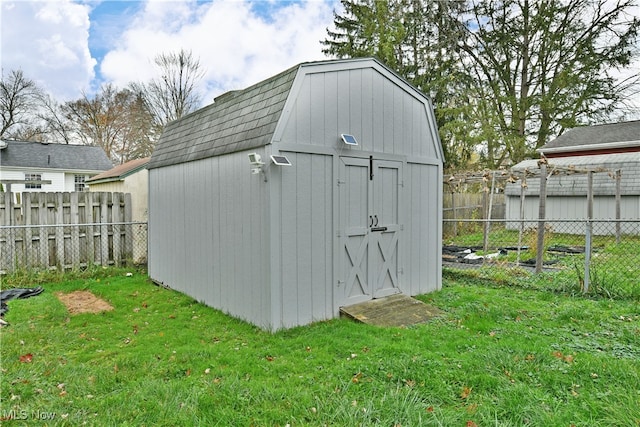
<point>236,121</point>
<point>571,185</point>
<point>54,156</point>
<point>121,171</point>
<point>624,132</point>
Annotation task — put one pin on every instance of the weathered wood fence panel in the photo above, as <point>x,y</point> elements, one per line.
<point>472,206</point>
<point>65,230</point>
<point>457,206</point>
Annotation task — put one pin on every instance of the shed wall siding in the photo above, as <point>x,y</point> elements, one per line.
<point>423,230</point>
<point>207,234</point>
<point>305,195</point>
<point>381,114</point>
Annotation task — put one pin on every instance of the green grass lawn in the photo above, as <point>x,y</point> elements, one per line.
<point>501,356</point>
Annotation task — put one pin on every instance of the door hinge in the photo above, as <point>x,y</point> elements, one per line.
<point>341,182</point>
<point>401,226</point>
<point>401,184</point>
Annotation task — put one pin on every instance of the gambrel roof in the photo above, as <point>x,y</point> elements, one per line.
<point>36,155</point>
<point>614,136</point>
<point>236,121</point>
<point>255,117</point>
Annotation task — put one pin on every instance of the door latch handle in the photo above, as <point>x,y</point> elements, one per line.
<point>376,217</point>
<point>370,221</point>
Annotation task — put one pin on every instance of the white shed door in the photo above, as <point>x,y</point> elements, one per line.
<point>369,192</point>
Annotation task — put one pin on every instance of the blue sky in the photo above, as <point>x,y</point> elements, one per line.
<point>72,47</point>
<point>108,20</point>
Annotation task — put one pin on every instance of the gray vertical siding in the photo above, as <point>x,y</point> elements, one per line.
<point>306,238</point>
<point>207,234</point>
<point>382,115</point>
<point>423,263</point>
<point>569,208</point>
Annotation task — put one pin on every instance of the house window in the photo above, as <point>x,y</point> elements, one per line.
<point>79,182</point>
<point>32,177</point>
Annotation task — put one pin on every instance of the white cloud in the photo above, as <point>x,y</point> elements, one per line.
<point>236,46</point>
<point>48,41</point>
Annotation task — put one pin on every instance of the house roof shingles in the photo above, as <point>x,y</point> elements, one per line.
<point>592,136</point>
<point>120,171</point>
<point>236,121</point>
<point>54,156</point>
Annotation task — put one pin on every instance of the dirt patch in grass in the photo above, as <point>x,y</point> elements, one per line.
<point>83,302</point>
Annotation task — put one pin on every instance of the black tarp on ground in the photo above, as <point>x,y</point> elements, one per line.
<point>17,293</point>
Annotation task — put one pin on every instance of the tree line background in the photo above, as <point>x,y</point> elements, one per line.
<point>505,77</point>
<point>126,123</point>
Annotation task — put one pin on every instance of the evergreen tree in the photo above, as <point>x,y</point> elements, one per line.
<point>505,76</point>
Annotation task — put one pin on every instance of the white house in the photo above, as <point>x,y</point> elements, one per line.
<point>41,167</point>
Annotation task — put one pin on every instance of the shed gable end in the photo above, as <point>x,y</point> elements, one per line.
<point>384,113</point>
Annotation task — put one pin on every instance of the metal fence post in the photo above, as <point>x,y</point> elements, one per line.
<point>618,209</point>
<point>541,217</point>
<point>588,230</point>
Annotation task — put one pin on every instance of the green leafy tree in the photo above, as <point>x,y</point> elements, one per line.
<point>419,40</point>
<point>368,28</point>
<point>505,76</point>
<point>544,66</point>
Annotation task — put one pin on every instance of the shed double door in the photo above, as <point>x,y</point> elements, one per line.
<point>369,192</point>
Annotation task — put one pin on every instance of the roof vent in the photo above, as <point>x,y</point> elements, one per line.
<point>226,96</point>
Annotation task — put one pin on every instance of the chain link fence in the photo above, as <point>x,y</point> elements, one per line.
<point>594,252</point>
<point>72,246</point>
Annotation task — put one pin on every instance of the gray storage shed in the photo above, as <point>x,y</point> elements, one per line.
<point>350,219</point>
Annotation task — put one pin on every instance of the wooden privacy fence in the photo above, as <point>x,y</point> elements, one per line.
<point>65,230</point>
<point>482,205</point>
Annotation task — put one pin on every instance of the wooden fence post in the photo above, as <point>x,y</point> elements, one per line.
<point>74,218</point>
<point>116,227</point>
<point>44,230</point>
<point>89,233</point>
<point>29,251</point>
<point>455,216</point>
<point>104,228</point>
<point>59,232</point>
<point>10,239</point>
